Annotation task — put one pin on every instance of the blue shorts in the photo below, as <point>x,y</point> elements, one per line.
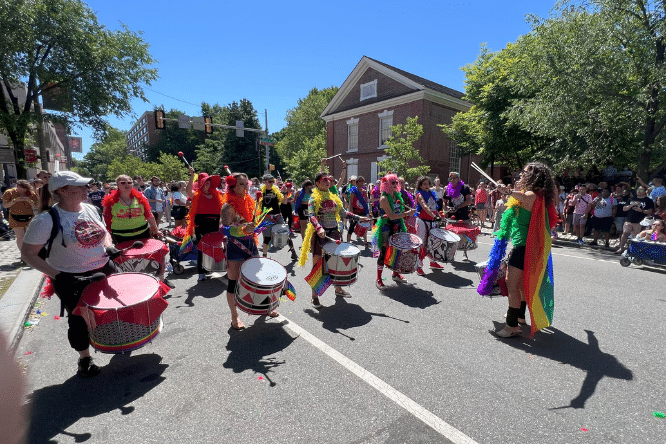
<point>236,253</point>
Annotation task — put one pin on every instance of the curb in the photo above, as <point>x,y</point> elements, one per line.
<point>15,305</point>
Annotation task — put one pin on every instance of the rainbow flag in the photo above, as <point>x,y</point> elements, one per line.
<point>290,291</point>
<point>538,283</point>
<point>187,245</point>
<point>317,279</point>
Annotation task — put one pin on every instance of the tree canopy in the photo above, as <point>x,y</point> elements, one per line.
<point>174,139</point>
<point>401,151</point>
<point>52,46</point>
<point>302,142</point>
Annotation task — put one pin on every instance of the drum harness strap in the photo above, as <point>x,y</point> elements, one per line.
<point>240,245</point>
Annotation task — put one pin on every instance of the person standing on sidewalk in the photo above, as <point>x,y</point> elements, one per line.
<point>156,199</point>
<point>78,249</point>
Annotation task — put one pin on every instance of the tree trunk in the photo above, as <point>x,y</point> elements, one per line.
<point>19,155</point>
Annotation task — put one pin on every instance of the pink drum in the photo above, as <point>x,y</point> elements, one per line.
<point>151,258</point>
<point>212,250</point>
<point>362,228</point>
<point>123,312</point>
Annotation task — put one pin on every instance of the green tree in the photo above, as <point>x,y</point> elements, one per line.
<point>485,129</point>
<point>174,139</point>
<point>171,168</point>
<point>302,142</point>
<point>599,70</point>
<point>58,45</point>
<point>110,146</point>
<point>401,151</point>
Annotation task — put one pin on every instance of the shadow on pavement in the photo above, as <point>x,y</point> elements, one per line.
<point>210,288</point>
<point>553,344</point>
<point>125,379</point>
<point>449,279</point>
<point>343,315</point>
<point>250,349</point>
<point>410,295</point>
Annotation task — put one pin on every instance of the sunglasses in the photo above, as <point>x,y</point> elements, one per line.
<point>270,181</point>
<point>124,182</point>
<point>393,182</point>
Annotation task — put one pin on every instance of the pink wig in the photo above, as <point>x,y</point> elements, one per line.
<point>385,185</point>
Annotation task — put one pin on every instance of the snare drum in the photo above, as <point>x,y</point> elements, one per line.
<point>212,251</point>
<point>150,259</point>
<point>442,245</point>
<point>279,235</point>
<point>402,252</point>
<point>467,235</point>
<point>499,287</point>
<point>341,262</point>
<point>123,312</point>
<point>260,285</point>
<point>362,228</point>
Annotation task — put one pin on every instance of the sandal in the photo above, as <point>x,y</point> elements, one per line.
<point>239,325</point>
<point>316,303</point>
<point>339,292</point>
<point>508,332</point>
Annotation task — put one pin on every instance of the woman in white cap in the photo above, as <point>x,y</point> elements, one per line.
<point>78,249</point>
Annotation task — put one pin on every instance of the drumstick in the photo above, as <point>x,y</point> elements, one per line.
<point>332,157</point>
<point>99,276</point>
<point>182,156</point>
<point>337,241</point>
<point>226,167</point>
<point>112,253</point>
<point>478,168</point>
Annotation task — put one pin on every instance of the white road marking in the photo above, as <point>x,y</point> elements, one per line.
<point>573,255</point>
<point>427,417</point>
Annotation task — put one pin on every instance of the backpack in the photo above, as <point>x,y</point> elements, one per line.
<point>46,249</point>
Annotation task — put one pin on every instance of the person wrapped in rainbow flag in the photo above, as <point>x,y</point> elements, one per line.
<point>527,221</point>
<point>391,220</point>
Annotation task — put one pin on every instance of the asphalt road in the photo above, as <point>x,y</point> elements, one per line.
<point>413,365</point>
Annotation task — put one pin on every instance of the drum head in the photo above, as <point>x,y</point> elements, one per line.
<point>120,290</point>
<point>263,271</point>
<point>445,235</point>
<point>149,246</point>
<point>342,249</point>
<point>280,228</point>
<point>213,239</point>
<point>405,241</point>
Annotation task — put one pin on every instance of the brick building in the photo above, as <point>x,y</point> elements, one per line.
<point>142,134</point>
<point>376,96</point>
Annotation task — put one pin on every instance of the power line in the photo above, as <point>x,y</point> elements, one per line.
<point>171,97</point>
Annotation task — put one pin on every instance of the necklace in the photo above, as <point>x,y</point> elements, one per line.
<point>128,205</point>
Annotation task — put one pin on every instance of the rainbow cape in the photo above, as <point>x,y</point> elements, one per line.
<point>538,283</point>
<point>317,279</point>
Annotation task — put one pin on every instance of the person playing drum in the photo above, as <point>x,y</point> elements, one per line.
<point>426,218</point>
<point>302,201</point>
<point>459,197</point>
<point>79,249</point>
<point>238,211</point>
<point>271,198</point>
<point>127,213</point>
<point>358,206</point>
<point>391,221</point>
<point>538,196</point>
<point>326,210</point>
<point>204,216</point>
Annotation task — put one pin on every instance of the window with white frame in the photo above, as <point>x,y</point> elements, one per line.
<point>385,123</point>
<point>373,172</point>
<point>369,90</point>
<point>352,135</point>
<point>454,158</point>
<point>352,167</point>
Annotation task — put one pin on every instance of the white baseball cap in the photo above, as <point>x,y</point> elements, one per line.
<point>64,178</point>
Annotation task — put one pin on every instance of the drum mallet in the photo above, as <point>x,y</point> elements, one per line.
<point>113,253</point>
<point>478,168</point>
<point>226,167</point>
<point>337,241</point>
<point>182,156</point>
<point>97,277</point>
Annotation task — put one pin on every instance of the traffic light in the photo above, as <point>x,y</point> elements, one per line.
<point>208,121</point>
<point>271,167</point>
<point>159,119</point>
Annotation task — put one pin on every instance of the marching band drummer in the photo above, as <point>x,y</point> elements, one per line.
<point>459,196</point>
<point>78,249</point>
<point>426,217</point>
<point>301,205</point>
<point>326,210</point>
<point>127,213</point>
<point>238,211</point>
<point>271,198</point>
<point>358,206</point>
<point>391,221</point>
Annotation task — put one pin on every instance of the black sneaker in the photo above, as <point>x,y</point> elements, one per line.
<point>87,368</point>
<point>169,284</point>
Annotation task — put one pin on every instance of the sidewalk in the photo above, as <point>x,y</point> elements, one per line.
<point>21,294</point>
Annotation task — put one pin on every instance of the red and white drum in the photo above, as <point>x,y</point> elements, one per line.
<point>442,245</point>
<point>499,287</point>
<point>341,262</point>
<point>123,312</point>
<point>150,259</point>
<point>410,222</point>
<point>402,252</point>
<point>260,285</point>
<point>362,228</point>
<point>212,251</point>
<point>467,235</point>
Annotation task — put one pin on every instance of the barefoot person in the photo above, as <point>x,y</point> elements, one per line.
<point>527,221</point>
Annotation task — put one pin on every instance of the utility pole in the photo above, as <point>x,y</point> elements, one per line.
<point>268,148</point>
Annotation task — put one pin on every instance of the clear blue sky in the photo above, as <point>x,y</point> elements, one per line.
<point>272,53</point>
